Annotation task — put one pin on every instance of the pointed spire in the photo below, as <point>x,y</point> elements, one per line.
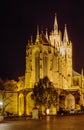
<point>46,34</point>
<point>31,39</point>
<point>65,38</point>
<point>37,37</point>
<point>82,72</point>
<point>55,25</point>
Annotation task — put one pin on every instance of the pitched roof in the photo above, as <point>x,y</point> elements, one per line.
<point>76,73</point>
<point>43,39</point>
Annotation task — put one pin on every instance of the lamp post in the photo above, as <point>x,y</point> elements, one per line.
<point>1,107</point>
<point>1,103</point>
<point>1,111</point>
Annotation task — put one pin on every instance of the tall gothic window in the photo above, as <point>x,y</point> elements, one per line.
<point>37,66</point>
<point>45,64</point>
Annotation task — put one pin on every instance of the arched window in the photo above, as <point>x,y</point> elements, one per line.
<point>70,102</point>
<point>29,104</point>
<point>21,104</point>
<point>45,64</point>
<point>37,65</point>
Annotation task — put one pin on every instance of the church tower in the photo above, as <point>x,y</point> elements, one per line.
<point>67,45</point>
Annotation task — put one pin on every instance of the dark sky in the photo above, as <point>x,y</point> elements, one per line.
<point>18,21</point>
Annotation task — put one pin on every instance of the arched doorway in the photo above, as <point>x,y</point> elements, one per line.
<point>21,104</point>
<point>29,104</point>
<point>70,102</point>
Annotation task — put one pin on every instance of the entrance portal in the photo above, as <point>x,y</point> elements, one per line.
<point>69,102</point>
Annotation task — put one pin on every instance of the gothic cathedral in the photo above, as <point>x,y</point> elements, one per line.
<point>49,56</point>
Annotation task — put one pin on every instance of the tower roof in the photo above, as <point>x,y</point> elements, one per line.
<point>43,39</point>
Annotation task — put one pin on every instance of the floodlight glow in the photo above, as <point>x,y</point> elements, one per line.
<point>1,103</point>
<point>47,111</point>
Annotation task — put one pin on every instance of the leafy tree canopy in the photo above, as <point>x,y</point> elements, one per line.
<point>44,93</point>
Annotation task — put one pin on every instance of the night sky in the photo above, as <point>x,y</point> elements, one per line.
<point>19,20</point>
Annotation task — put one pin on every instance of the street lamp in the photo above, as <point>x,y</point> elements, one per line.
<point>1,111</point>
<point>1,104</point>
<point>47,111</point>
<point>1,107</point>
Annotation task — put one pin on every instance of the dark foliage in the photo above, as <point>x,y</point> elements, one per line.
<point>44,93</point>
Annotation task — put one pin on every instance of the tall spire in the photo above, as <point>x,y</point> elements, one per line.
<point>65,38</point>
<point>37,36</point>
<point>82,72</point>
<point>55,25</point>
<point>46,33</point>
<point>31,40</point>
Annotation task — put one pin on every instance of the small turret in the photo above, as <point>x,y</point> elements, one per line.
<point>82,72</point>
<point>46,34</point>
<point>37,36</point>
<point>31,40</point>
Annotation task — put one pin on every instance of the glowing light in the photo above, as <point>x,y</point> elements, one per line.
<point>1,103</point>
<point>47,111</point>
<point>62,51</point>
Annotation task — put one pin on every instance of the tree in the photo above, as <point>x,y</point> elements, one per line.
<point>44,93</point>
<point>7,90</point>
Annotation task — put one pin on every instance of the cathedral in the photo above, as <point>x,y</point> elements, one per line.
<point>51,56</point>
